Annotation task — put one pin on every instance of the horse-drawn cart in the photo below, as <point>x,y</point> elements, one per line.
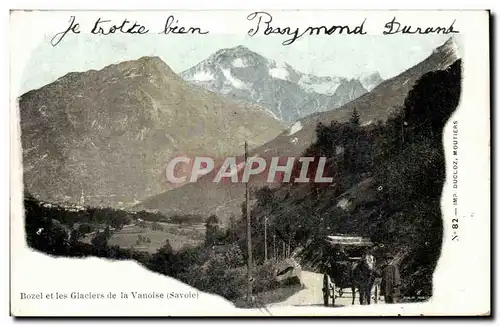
<point>344,256</point>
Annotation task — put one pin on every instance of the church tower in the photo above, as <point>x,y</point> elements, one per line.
<point>82,199</point>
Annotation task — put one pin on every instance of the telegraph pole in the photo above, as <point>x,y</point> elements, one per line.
<point>275,256</point>
<point>265,238</point>
<point>249,234</point>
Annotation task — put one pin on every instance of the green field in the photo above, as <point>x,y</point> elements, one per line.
<point>146,239</point>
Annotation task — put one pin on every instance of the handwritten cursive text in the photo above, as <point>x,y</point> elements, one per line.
<point>395,27</point>
<point>264,20</point>
<point>170,27</point>
<point>73,27</point>
<point>102,27</point>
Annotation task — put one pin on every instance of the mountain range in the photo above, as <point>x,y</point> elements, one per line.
<point>372,107</point>
<point>107,135</point>
<point>243,75</point>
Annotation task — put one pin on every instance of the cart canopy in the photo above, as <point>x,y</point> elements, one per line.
<point>349,240</point>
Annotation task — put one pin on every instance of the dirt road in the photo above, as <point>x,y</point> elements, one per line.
<point>312,295</point>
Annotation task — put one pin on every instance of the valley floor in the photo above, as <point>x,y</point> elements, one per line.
<point>178,235</point>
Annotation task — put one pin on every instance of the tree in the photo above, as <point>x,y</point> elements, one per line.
<point>75,236</point>
<point>212,233</point>
<point>232,230</point>
<point>212,221</point>
<point>163,261</point>
<point>100,241</point>
<point>86,228</point>
<point>355,119</point>
<point>264,197</point>
<point>429,105</point>
<point>156,226</point>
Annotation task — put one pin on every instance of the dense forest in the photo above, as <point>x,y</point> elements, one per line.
<point>387,184</point>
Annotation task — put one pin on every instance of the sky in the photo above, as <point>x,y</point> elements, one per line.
<point>339,55</point>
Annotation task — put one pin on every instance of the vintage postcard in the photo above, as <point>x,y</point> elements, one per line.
<point>250,163</point>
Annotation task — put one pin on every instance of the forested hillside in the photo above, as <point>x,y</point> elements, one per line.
<point>388,179</point>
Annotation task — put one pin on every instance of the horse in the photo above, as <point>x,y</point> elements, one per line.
<point>339,268</point>
<point>363,277</point>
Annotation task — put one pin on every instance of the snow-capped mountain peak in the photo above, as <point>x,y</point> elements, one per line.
<point>321,85</point>
<point>370,80</point>
<point>282,70</point>
<point>222,62</point>
<point>244,75</point>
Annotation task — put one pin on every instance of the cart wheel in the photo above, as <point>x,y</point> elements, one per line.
<point>326,290</point>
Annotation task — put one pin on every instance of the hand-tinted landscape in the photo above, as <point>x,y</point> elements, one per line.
<point>96,143</point>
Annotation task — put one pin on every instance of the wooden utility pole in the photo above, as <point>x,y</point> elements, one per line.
<point>249,234</point>
<point>275,256</point>
<point>265,238</point>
